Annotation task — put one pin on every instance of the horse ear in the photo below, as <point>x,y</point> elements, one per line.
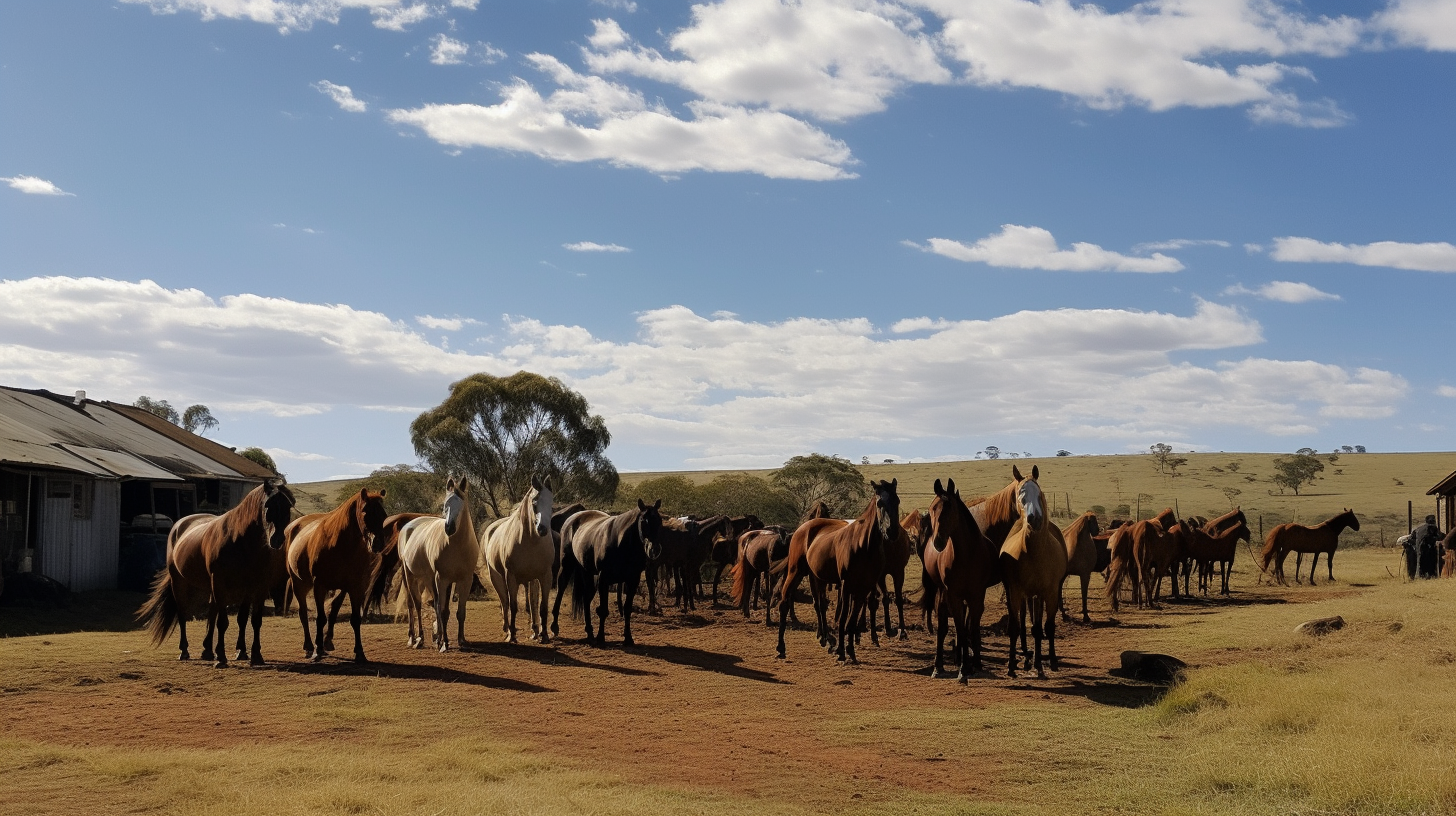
<point>547,485</point>
<point>535,481</point>
<point>363,494</point>
<point>641,505</point>
<point>450,484</point>
<point>939,491</point>
<point>895,482</point>
<point>382,491</point>
<point>657,505</point>
<point>1016,473</point>
<point>950,486</point>
<point>464,485</point>
<point>1034,474</point>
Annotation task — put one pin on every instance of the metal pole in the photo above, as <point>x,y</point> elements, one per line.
<point>1410,517</point>
<point>152,497</point>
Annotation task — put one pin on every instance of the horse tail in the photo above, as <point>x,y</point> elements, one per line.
<point>1266,558</point>
<point>581,593</point>
<point>743,576</point>
<point>159,613</point>
<point>381,579</point>
<point>1116,570</point>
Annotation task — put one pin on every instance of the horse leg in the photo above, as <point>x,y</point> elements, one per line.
<point>563,577</point>
<point>300,594</point>
<point>513,587</point>
<point>900,604</point>
<point>540,590</point>
<point>852,621</point>
<point>1329,564</point>
<point>1039,622</point>
<point>441,606</point>
<point>841,627</point>
<point>627,613</point>
<point>242,652</point>
<point>356,619</point>
<point>211,630</point>
<point>975,609</point>
<point>1050,630</point>
<point>256,658</point>
<point>652,607</point>
<point>462,596</point>
<point>885,596</point>
<point>498,580</point>
<point>787,589</point>
<point>873,605</point>
<point>333,618</point>
<point>1013,627</point>
<point>220,613</point>
<point>603,589</point>
<point>1086,579</point>
<point>320,598</point>
<point>938,670</point>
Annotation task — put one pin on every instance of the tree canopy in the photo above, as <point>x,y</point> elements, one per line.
<point>500,431</point>
<point>1292,472</point>
<point>409,489</point>
<point>830,479</point>
<point>730,494</point>
<point>196,419</point>
<point>260,456</point>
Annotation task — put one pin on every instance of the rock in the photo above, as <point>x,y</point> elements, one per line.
<point>1321,626</point>
<point>1152,668</point>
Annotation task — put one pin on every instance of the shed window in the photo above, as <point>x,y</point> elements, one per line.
<point>59,489</point>
<point>82,497</point>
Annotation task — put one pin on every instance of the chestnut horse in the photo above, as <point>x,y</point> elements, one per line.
<point>220,560</point>
<point>958,564</point>
<point>598,551</point>
<point>1033,563</point>
<point>758,551</point>
<point>1208,548</point>
<point>519,551</point>
<point>848,553</point>
<point>1082,555</point>
<point>1321,538</point>
<point>336,551</point>
<point>1131,548</point>
<point>437,554</point>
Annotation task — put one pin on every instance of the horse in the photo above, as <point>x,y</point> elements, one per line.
<point>958,564</point>
<point>908,540</point>
<point>1134,553</point>
<point>724,550</point>
<point>1033,561</point>
<point>848,553</point>
<point>1082,555</point>
<point>336,551</point>
<point>757,552</point>
<point>818,510</point>
<point>220,560</point>
<point>1321,538</point>
<point>520,551</point>
<point>597,551</point>
<point>685,546</point>
<point>437,553</point>
<point>388,564</point>
<point>1208,548</point>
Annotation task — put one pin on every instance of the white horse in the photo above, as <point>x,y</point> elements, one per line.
<point>520,551</point>
<point>436,554</point>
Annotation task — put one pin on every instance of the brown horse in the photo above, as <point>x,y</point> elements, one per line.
<point>724,550</point>
<point>819,510</point>
<point>221,561</point>
<point>1208,548</point>
<point>679,539</point>
<point>850,554</point>
<point>958,564</point>
<point>1135,552</point>
<point>337,551</point>
<point>1082,555</point>
<point>1033,563</point>
<point>1321,538</point>
<point>758,550</point>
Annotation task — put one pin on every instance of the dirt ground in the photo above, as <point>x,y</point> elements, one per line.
<point>700,704</point>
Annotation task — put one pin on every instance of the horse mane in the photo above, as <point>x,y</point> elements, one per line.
<point>1001,504</point>
<point>237,521</point>
<point>1074,530</point>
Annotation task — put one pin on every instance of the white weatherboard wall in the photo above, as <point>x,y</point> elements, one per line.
<point>80,553</point>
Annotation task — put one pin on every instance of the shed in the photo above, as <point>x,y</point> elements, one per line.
<point>1445,493</point>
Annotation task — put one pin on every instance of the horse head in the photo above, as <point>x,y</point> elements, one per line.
<point>649,526</point>
<point>942,514</point>
<point>370,515</point>
<point>1350,519</point>
<point>887,506</point>
<point>277,512</point>
<point>1029,499</point>
<point>542,507</point>
<point>455,497</point>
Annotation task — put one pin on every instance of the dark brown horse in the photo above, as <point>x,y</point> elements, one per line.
<point>849,554</point>
<point>724,550</point>
<point>958,564</point>
<point>599,551</point>
<point>908,540</point>
<point>220,561</point>
<point>336,552</point>
<point>758,550</point>
<point>679,540</point>
<point>1321,538</point>
<point>1207,549</point>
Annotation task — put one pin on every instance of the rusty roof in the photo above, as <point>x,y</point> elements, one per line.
<point>212,450</point>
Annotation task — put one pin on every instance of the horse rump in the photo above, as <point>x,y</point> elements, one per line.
<point>159,613</point>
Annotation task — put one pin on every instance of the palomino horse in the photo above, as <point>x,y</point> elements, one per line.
<point>848,553</point>
<point>1321,538</point>
<point>597,551</point>
<point>1208,548</point>
<point>438,554</point>
<point>1082,551</point>
<point>336,551</point>
<point>758,550</point>
<point>220,560</point>
<point>1033,568</point>
<point>519,551</point>
<point>958,564</point>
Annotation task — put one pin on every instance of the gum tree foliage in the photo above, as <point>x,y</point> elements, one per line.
<point>830,479</point>
<point>992,452</point>
<point>260,456</point>
<point>1293,472</point>
<point>731,494</point>
<point>196,419</point>
<point>500,431</point>
<point>408,489</point>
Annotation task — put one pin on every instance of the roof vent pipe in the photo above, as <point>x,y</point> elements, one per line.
<point>80,397</point>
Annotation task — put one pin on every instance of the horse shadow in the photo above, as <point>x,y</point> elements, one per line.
<point>409,671</point>
<point>548,656</point>
<point>709,661</point>
<point>1118,695</point>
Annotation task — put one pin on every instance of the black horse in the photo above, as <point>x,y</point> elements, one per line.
<point>598,551</point>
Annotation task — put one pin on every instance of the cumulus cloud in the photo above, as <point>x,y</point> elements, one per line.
<point>445,323</point>
<point>447,51</point>
<point>300,15</point>
<point>1283,291</point>
<point>1020,247</point>
<point>590,119</point>
<point>30,185</point>
<point>1427,257</point>
<point>1446,391</point>
<point>592,246</point>
<point>342,96</point>
<point>1427,24</point>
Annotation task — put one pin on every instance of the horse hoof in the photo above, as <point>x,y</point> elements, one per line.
<point>903,635</point>
<point>257,661</point>
<point>318,657</point>
<point>207,655</point>
<point>184,655</point>
<point>221,663</point>
<point>628,642</point>
<point>360,658</point>
<point>1040,675</point>
<point>1087,619</point>
<point>963,679</point>
<point>241,655</point>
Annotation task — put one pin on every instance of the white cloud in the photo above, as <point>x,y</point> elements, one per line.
<point>1427,257</point>
<point>1446,391</point>
<point>300,15</point>
<point>825,58</point>
<point>592,246</point>
<point>628,6</point>
<point>1283,291</point>
<point>31,185</point>
<point>342,96</point>
<point>1429,24</point>
<point>1179,243</point>
<point>446,51</point>
<point>725,391</point>
<point>445,323</point>
<point>591,119</point>
<point>280,453</point>
<point>1020,247</point>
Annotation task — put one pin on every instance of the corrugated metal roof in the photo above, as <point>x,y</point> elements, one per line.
<point>42,428</point>
<point>1445,487</point>
<point>204,446</point>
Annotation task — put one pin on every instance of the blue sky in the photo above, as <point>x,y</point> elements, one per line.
<point>743,229</point>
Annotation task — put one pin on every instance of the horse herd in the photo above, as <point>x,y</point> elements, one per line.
<point>257,550</point>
